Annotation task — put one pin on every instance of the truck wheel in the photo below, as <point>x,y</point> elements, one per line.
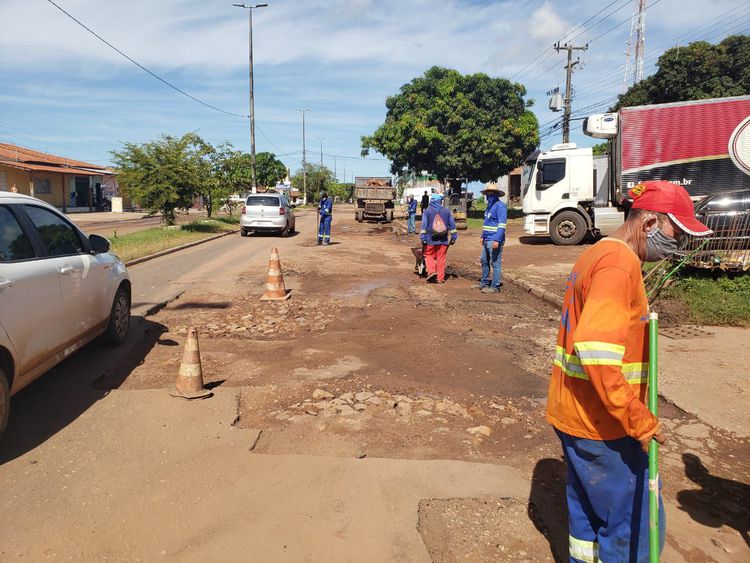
<point>4,403</point>
<point>568,228</point>
<point>389,216</point>
<point>360,216</point>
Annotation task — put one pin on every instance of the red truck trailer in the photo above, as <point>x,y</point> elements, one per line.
<point>702,145</point>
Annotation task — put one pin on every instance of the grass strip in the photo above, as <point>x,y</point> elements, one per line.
<point>713,299</point>
<point>149,241</point>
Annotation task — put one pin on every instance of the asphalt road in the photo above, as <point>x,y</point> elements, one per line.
<point>70,389</point>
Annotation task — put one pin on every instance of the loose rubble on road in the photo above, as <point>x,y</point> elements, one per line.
<point>354,366</point>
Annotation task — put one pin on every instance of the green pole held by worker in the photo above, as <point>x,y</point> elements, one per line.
<point>653,448</point>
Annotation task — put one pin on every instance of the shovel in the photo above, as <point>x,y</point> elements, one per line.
<point>653,447</point>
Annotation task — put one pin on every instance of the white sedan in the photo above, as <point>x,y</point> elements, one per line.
<point>59,290</point>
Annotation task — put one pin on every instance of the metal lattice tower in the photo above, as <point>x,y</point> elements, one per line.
<point>634,54</point>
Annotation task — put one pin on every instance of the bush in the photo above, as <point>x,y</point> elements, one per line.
<point>713,298</point>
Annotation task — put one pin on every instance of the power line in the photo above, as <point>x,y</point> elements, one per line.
<point>622,22</point>
<point>139,65</point>
<point>572,38</point>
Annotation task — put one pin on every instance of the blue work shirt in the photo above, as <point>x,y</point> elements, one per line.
<point>495,219</point>
<point>326,208</point>
<point>428,216</point>
<point>413,207</point>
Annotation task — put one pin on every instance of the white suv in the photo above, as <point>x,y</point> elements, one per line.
<point>59,290</point>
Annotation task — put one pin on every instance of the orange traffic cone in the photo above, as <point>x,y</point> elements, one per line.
<point>189,383</point>
<point>275,290</point>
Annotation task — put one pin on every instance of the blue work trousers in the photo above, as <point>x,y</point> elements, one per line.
<point>324,229</point>
<point>491,260</point>
<point>411,223</point>
<point>607,492</point>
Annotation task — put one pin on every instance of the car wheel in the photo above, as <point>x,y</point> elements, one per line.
<point>243,233</point>
<point>568,228</point>
<point>293,229</point>
<point>119,319</point>
<point>4,403</point>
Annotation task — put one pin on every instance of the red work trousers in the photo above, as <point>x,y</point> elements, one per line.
<point>434,259</point>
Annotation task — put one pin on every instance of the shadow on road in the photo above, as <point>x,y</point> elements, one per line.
<point>64,393</point>
<point>198,305</point>
<point>547,507</point>
<point>719,502</point>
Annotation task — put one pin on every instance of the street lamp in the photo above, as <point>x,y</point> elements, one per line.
<point>252,89</point>
<point>304,159</point>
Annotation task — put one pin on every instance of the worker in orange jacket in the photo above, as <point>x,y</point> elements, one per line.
<point>598,389</point>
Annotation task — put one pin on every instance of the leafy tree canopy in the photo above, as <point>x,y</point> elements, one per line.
<point>456,126</point>
<point>171,172</point>
<point>161,175</point>
<point>695,72</point>
<point>319,179</point>
<point>600,149</point>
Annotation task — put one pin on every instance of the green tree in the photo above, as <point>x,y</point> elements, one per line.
<point>319,179</point>
<point>600,149</point>
<point>161,175</point>
<point>695,72</point>
<point>269,170</point>
<point>342,190</point>
<point>456,126</point>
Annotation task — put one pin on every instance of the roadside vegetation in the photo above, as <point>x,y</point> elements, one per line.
<point>142,243</point>
<point>172,172</point>
<point>712,299</point>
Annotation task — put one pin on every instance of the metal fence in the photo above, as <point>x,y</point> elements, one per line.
<point>728,248</point>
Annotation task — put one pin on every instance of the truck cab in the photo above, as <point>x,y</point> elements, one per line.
<point>558,192</point>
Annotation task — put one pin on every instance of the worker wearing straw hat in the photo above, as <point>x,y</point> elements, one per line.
<point>597,391</point>
<point>493,240</point>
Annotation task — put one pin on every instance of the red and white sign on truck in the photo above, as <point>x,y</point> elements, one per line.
<point>702,145</point>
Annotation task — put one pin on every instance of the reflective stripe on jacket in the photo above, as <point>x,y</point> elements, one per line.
<point>495,219</point>
<point>600,369</point>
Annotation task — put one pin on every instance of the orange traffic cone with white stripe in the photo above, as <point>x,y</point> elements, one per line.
<point>275,290</point>
<point>189,383</point>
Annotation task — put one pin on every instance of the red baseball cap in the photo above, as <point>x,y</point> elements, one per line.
<point>665,197</point>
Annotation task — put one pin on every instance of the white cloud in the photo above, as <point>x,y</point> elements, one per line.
<point>545,24</point>
<point>339,57</point>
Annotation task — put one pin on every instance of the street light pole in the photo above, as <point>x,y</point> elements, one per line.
<point>252,89</point>
<point>304,160</point>
<point>321,151</point>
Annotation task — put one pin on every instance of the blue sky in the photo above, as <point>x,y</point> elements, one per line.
<point>67,93</point>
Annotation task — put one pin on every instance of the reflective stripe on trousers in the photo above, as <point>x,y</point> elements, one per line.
<point>587,551</point>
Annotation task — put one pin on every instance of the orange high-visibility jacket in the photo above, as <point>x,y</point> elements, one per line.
<point>600,373</point>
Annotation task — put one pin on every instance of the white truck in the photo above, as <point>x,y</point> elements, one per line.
<point>702,145</point>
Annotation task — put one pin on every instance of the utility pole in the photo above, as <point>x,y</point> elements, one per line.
<point>321,151</point>
<point>335,175</point>
<point>252,89</point>
<point>568,83</point>
<point>304,159</point>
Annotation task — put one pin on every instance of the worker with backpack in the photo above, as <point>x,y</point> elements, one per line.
<point>438,231</point>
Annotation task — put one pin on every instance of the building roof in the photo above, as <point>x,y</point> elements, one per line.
<point>27,159</point>
<point>56,169</point>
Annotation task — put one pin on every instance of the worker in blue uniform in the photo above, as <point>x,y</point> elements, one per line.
<point>411,216</point>
<point>493,240</point>
<point>325,208</point>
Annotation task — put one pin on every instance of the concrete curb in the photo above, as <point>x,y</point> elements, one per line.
<point>546,296</point>
<point>161,253</point>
